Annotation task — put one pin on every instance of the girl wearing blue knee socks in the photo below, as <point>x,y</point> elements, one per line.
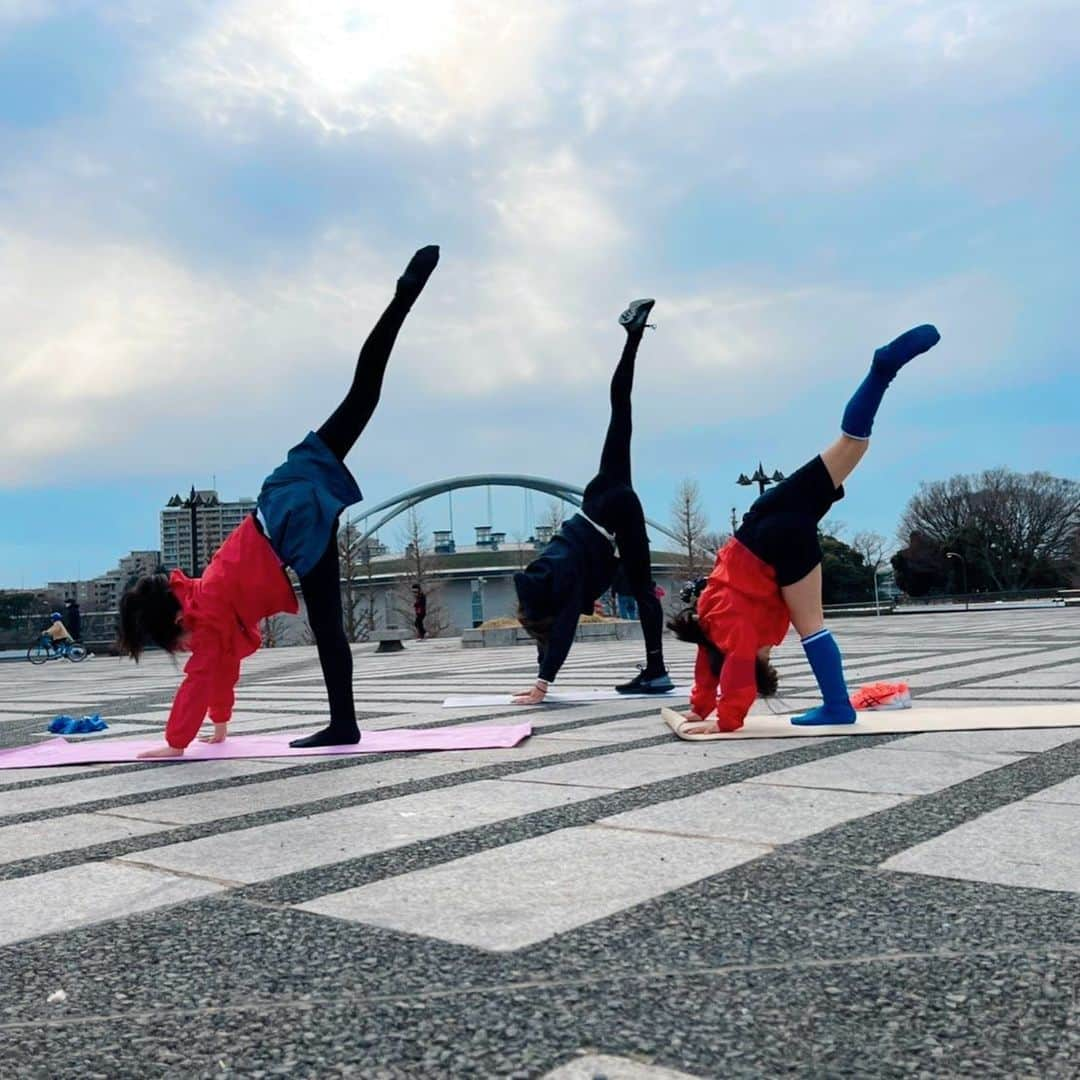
<point>768,576</point>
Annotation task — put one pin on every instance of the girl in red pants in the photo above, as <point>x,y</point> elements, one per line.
<point>215,617</point>
<point>768,575</point>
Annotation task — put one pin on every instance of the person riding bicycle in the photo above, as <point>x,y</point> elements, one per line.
<point>57,632</point>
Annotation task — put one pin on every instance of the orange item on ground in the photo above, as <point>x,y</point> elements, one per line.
<point>880,696</point>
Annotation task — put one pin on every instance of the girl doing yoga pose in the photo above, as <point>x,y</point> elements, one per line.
<point>769,575</point>
<point>580,562</point>
<point>216,617</point>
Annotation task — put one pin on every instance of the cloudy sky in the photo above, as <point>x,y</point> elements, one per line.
<point>203,207</point>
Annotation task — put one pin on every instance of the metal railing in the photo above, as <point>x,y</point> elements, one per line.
<point>96,628</point>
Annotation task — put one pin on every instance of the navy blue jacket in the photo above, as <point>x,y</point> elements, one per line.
<point>565,581</point>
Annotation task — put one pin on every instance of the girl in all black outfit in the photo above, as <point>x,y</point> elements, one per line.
<point>580,562</point>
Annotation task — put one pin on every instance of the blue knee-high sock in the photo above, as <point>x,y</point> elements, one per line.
<point>828,667</point>
<point>859,415</point>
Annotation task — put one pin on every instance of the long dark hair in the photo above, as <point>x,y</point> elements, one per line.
<point>148,615</point>
<point>685,626</point>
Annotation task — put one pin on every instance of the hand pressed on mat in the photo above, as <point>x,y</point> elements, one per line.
<point>220,733</point>
<point>695,725</point>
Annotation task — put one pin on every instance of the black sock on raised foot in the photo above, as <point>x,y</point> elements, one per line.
<point>420,268</point>
<point>329,736</point>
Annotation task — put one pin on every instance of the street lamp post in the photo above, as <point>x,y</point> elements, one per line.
<point>761,478</point>
<point>192,503</point>
<point>963,566</point>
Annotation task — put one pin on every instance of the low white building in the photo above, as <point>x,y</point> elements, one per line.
<point>465,587</point>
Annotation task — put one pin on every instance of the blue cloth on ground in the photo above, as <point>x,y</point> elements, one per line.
<point>85,725</point>
<point>302,499</point>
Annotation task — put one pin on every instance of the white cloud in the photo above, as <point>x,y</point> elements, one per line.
<point>127,359</point>
<point>343,67</point>
<point>573,127</point>
<point>122,355</point>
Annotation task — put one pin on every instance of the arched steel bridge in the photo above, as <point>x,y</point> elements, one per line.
<point>400,504</point>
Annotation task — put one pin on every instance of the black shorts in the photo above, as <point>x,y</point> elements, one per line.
<point>781,526</point>
<point>301,500</point>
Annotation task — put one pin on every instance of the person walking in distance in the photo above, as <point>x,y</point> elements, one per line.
<point>419,611</point>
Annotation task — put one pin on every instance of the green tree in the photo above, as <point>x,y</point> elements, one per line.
<point>846,577</point>
<point>921,567</point>
<point>1012,530</point>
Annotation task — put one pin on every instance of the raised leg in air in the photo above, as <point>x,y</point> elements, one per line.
<point>615,455</point>
<point>348,420</point>
<point>803,598</point>
<point>321,586</point>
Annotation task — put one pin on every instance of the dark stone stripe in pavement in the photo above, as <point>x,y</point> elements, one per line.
<point>644,796</point>
<point>986,1014</point>
<point>315,765</point>
<point>768,912</point>
<point>978,680</point>
<point>873,839</point>
<point>308,884</point>
<point>865,840</point>
<point>501,713</point>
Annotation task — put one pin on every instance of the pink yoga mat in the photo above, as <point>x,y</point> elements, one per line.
<point>61,752</point>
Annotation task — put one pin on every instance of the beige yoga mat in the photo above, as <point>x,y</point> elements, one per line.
<point>913,721</point>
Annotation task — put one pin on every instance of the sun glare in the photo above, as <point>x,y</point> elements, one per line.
<point>341,48</point>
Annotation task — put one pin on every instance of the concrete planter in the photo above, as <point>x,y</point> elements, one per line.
<point>501,637</point>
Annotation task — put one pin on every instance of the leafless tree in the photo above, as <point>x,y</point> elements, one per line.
<point>272,630</point>
<point>370,616</point>
<point>831,526</point>
<point>422,564</point>
<point>712,542</point>
<point>872,546</point>
<point>280,630</point>
<point>523,551</point>
<point>689,523</point>
<point>554,515</point>
<point>1013,530</point>
<point>351,559</point>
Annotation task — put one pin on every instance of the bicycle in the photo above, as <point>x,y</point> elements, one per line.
<point>45,649</point>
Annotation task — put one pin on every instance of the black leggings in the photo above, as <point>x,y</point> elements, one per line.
<point>321,587</point>
<point>348,420</point>
<point>611,501</point>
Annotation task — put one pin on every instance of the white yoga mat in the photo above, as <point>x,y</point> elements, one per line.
<point>555,697</point>
<point>913,721</point>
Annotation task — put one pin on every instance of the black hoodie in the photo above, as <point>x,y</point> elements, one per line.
<point>572,571</point>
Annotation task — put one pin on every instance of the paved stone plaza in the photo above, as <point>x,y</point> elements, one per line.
<point>602,900</point>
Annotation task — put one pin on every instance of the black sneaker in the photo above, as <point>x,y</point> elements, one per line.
<point>635,317</point>
<point>651,684</point>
